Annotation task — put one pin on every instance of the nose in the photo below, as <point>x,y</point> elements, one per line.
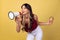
<point>22,11</point>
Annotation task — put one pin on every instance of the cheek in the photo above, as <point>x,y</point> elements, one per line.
<point>25,10</point>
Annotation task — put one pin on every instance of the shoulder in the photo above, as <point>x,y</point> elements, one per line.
<point>35,17</point>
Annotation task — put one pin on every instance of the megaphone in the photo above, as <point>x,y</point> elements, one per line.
<point>12,15</point>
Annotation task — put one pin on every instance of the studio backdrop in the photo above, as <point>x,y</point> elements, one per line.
<point>43,8</point>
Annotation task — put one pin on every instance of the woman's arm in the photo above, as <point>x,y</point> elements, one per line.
<point>18,23</point>
<point>50,21</point>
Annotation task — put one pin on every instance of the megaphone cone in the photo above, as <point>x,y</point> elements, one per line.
<point>12,15</point>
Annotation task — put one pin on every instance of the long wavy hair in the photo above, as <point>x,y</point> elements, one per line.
<point>31,13</point>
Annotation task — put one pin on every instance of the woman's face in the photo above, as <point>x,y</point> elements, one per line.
<point>24,10</point>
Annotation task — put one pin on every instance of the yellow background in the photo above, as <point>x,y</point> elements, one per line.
<point>43,8</point>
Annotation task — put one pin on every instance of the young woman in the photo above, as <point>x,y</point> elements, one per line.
<point>30,23</point>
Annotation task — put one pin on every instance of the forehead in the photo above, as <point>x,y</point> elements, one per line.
<point>23,6</point>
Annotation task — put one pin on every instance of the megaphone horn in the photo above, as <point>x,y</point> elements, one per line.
<point>12,15</point>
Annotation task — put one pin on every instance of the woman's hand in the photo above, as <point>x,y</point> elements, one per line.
<point>18,18</point>
<point>51,19</point>
<point>18,23</point>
